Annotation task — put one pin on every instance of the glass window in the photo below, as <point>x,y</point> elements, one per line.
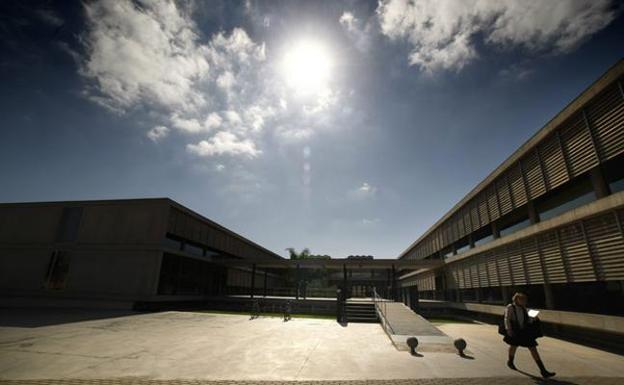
<point>193,249</point>
<point>567,206</point>
<point>172,243</point>
<point>617,186</point>
<point>484,240</point>
<point>515,227</point>
<point>463,248</point>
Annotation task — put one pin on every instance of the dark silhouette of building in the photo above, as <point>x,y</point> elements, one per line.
<point>122,252</point>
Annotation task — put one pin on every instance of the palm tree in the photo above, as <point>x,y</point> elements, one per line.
<point>304,254</point>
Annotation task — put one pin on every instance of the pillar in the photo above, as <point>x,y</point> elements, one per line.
<point>505,294</point>
<point>548,296</point>
<point>344,278</point>
<point>297,287</point>
<point>495,230</point>
<point>599,183</point>
<point>394,284</point>
<point>253,279</point>
<point>533,216</point>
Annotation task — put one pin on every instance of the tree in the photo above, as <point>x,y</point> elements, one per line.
<point>304,254</point>
<point>316,276</point>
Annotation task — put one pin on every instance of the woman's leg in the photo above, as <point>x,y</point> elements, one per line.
<point>535,354</point>
<point>512,354</point>
<point>540,364</point>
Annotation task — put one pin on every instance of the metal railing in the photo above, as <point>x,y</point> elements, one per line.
<point>382,311</point>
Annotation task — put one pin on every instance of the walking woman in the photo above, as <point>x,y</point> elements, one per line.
<point>520,332</point>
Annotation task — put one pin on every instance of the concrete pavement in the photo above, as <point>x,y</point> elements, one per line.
<point>201,346</point>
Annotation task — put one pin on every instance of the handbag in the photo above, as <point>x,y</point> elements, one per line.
<point>535,328</point>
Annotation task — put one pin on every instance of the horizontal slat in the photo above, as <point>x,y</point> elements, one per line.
<point>578,145</point>
<point>554,164</point>
<point>533,174</point>
<point>606,117</point>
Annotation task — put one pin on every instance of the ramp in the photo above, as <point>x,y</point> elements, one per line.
<point>402,323</point>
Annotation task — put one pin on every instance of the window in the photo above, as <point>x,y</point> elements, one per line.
<point>566,198</point>
<point>614,173</point>
<point>484,240</point>
<point>567,206</point>
<point>515,227</point>
<point>58,268</point>
<point>69,225</point>
<point>172,243</point>
<point>193,249</point>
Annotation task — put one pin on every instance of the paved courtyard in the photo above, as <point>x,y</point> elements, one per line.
<point>200,348</point>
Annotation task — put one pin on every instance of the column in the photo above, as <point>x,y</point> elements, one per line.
<point>495,230</point>
<point>253,279</point>
<point>394,284</point>
<point>533,216</point>
<point>600,185</point>
<point>297,283</point>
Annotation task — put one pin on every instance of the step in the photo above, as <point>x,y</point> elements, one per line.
<point>362,320</point>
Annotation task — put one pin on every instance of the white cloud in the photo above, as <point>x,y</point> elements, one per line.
<point>142,54</point>
<point>443,33</point>
<point>219,167</point>
<point>157,133</point>
<point>213,120</point>
<point>233,118</point>
<point>359,32</point>
<point>150,55</point>
<point>187,125</point>
<point>348,21</point>
<point>225,80</point>
<point>224,142</point>
<point>370,221</point>
<point>363,191</point>
<point>366,188</point>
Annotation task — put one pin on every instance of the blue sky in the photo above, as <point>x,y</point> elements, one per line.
<point>345,127</point>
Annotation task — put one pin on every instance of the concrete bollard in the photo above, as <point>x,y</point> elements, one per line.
<point>460,345</point>
<point>412,342</point>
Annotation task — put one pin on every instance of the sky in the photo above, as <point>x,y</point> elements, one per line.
<point>345,127</point>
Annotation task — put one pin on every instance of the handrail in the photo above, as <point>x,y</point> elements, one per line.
<point>381,308</point>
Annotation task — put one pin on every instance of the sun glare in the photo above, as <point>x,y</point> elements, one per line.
<point>307,67</point>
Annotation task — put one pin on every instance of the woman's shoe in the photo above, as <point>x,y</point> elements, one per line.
<point>547,374</point>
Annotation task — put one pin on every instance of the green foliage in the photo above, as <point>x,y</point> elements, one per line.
<point>310,277</point>
<point>304,254</point>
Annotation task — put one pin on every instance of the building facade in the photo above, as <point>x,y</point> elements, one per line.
<point>121,252</point>
<point>548,221</point>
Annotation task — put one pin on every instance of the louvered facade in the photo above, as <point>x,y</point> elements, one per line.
<point>550,215</point>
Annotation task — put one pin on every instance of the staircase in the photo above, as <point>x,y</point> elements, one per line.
<point>361,312</point>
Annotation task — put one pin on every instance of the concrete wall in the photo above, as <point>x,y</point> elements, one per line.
<point>115,255</point>
<point>29,224</point>
<point>598,322</point>
<point>123,223</point>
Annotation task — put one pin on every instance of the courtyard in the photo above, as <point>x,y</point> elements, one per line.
<point>114,347</point>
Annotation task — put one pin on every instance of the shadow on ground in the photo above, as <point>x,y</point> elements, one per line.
<point>34,318</point>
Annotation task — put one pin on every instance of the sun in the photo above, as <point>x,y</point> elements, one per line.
<point>307,66</point>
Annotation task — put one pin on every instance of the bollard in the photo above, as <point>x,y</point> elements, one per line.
<point>460,345</point>
<point>412,342</point>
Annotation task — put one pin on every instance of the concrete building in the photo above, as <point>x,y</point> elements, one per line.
<point>120,253</point>
<point>548,221</point>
